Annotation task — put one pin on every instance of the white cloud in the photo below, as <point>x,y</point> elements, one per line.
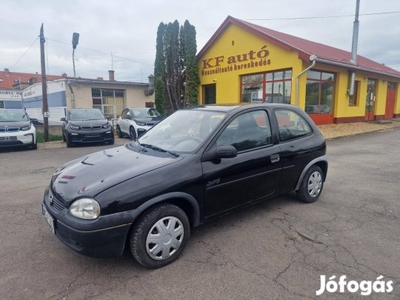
<point>122,34</point>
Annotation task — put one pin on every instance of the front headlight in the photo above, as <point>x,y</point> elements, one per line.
<point>74,127</point>
<point>140,123</point>
<point>107,125</point>
<point>26,127</point>
<point>85,208</point>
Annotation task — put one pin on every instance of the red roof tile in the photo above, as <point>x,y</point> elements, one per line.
<point>8,79</point>
<point>325,54</point>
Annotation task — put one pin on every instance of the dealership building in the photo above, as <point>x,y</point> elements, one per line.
<point>247,63</point>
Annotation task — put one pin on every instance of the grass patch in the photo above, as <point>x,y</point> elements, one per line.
<point>52,137</point>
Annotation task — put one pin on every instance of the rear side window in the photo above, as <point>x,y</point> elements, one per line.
<point>291,125</point>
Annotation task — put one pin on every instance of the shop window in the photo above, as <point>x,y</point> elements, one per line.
<point>353,100</point>
<point>271,87</point>
<point>320,92</point>
<point>371,96</point>
<point>109,101</point>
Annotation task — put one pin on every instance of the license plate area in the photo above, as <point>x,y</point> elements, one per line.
<point>49,218</point>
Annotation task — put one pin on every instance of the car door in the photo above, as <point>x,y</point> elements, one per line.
<point>125,121</point>
<point>250,176</point>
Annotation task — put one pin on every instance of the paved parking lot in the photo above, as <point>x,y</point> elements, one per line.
<point>274,250</point>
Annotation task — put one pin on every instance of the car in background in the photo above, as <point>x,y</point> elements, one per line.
<point>134,122</point>
<point>16,129</point>
<point>86,126</point>
<point>196,164</point>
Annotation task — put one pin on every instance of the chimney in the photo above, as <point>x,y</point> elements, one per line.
<point>111,75</point>
<point>7,71</point>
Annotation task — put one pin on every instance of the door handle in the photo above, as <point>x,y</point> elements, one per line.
<point>275,158</point>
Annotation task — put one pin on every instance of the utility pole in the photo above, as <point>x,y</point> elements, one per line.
<point>45,107</point>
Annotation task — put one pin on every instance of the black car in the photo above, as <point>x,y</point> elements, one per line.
<point>84,126</point>
<point>194,165</point>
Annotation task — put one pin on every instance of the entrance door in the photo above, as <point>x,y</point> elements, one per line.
<point>209,94</point>
<point>390,97</point>
<point>370,101</point>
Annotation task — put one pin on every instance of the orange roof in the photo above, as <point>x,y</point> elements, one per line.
<point>324,54</point>
<point>8,79</point>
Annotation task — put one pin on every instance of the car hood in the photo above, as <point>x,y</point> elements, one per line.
<point>149,120</point>
<point>92,174</point>
<point>14,124</point>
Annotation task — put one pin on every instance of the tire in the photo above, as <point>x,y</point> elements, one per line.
<point>69,144</point>
<point>311,186</point>
<point>153,243</point>
<point>119,132</point>
<point>111,142</point>
<point>132,133</point>
<point>34,146</point>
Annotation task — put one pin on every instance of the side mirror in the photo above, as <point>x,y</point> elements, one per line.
<point>63,120</point>
<point>220,152</point>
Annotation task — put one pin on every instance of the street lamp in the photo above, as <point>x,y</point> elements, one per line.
<point>75,41</point>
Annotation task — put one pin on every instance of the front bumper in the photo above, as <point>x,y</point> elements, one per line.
<point>88,136</point>
<point>103,237</point>
<point>20,138</point>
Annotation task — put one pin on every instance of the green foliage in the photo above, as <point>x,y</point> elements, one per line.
<point>176,72</point>
<point>52,137</point>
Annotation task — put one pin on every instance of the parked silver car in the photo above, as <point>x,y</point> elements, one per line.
<point>134,122</point>
<point>16,129</point>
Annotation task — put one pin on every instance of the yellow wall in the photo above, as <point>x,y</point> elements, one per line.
<point>221,65</point>
<point>234,42</point>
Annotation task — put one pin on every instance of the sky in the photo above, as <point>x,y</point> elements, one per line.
<point>121,34</point>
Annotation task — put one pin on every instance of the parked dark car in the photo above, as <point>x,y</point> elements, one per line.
<point>84,126</point>
<point>134,122</point>
<point>194,165</point>
<point>16,129</point>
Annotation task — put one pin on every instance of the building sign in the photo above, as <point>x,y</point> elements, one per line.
<point>10,95</point>
<point>221,64</point>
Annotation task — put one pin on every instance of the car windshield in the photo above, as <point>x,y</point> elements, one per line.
<point>86,114</point>
<point>145,113</point>
<point>183,131</point>
<point>13,115</point>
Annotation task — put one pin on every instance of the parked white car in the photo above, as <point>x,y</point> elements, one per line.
<point>134,122</point>
<point>16,129</point>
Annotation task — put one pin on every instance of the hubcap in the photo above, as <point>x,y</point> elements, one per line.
<point>164,238</point>
<point>314,184</point>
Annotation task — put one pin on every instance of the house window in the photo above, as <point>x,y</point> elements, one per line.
<point>109,101</point>
<point>319,92</point>
<point>271,87</point>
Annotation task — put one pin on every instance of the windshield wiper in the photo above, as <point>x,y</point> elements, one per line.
<point>158,149</point>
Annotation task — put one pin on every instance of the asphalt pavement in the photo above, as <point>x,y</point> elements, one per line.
<point>278,249</point>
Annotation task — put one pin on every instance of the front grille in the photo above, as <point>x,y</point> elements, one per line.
<point>55,203</point>
<point>9,129</point>
<point>91,127</point>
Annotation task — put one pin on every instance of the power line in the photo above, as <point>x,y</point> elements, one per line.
<point>325,17</point>
<point>100,52</point>
<point>24,53</point>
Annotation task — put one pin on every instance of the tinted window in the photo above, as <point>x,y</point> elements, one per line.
<point>291,125</point>
<point>247,131</point>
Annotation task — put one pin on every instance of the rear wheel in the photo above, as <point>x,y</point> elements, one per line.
<point>159,236</point>
<point>311,186</point>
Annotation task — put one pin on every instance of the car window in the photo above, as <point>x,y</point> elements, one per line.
<point>86,114</point>
<point>291,125</point>
<point>13,115</point>
<point>247,131</point>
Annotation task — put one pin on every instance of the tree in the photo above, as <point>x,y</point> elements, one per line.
<point>176,71</point>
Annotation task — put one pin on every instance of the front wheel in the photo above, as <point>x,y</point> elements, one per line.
<point>159,236</point>
<point>311,186</point>
<point>132,133</point>
<point>119,132</point>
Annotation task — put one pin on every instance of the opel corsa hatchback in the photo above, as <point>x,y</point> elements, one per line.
<point>194,165</point>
